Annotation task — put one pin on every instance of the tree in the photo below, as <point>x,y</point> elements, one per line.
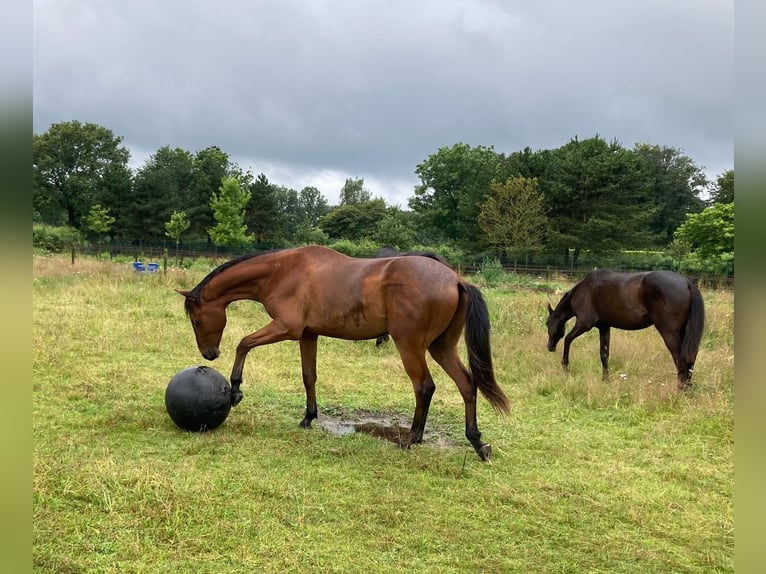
<point>161,186</point>
<point>175,227</point>
<point>313,205</point>
<point>289,212</point>
<point>597,197</point>
<point>513,216</point>
<point>710,233</point>
<point>674,185</point>
<point>353,192</point>
<point>353,222</point>
<point>208,168</point>
<point>73,166</point>
<point>455,182</point>
<point>229,214</point>
<point>262,214</point>
<point>723,191</point>
<point>98,221</point>
<point>396,229</point>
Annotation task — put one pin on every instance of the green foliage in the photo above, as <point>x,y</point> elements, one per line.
<point>208,169</point>
<point>307,235</point>
<point>396,229</point>
<point>355,221</point>
<point>313,205</point>
<point>710,232</point>
<point>361,248</point>
<point>354,192</point>
<point>262,215</point>
<point>55,239</point>
<point>674,184</point>
<point>229,213</point>
<point>513,216</point>
<point>455,182</point>
<point>75,166</point>
<point>600,198</point>
<point>161,186</point>
<point>491,273</point>
<point>597,198</point>
<point>693,264</point>
<point>177,224</point>
<point>98,221</point>
<point>723,190</point>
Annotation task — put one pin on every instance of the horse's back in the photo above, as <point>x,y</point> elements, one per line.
<point>667,295</point>
<point>637,300</point>
<point>350,297</point>
<point>611,298</point>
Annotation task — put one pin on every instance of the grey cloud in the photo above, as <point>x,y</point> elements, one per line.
<point>370,89</point>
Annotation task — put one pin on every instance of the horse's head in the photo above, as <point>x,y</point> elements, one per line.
<point>208,321</point>
<point>556,323</point>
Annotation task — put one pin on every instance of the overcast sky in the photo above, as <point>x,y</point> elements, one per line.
<point>311,92</point>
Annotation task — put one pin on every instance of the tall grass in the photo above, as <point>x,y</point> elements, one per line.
<point>625,475</point>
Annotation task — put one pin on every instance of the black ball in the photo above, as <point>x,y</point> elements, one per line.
<point>198,398</point>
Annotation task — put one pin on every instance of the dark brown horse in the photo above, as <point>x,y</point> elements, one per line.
<point>631,301</point>
<point>388,251</point>
<point>314,291</point>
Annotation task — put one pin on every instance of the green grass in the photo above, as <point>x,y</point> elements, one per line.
<point>625,475</point>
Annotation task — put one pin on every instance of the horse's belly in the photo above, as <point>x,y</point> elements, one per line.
<point>352,323</point>
<point>632,324</point>
<point>352,333</point>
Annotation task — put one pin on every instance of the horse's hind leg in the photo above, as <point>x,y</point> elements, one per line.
<point>414,361</point>
<point>672,341</point>
<point>449,360</point>
<point>603,335</point>
<point>308,347</point>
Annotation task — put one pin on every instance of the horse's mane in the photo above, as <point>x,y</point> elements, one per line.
<point>196,293</point>
<point>566,301</point>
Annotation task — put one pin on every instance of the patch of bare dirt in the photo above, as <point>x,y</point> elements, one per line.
<point>388,426</point>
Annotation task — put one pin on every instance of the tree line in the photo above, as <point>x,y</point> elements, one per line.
<point>588,195</point>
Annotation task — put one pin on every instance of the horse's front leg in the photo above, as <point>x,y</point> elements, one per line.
<point>603,335</point>
<point>308,347</point>
<point>271,333</point>
<point>576,331</point>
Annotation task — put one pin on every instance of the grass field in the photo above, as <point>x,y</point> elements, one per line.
<point>625,475</point>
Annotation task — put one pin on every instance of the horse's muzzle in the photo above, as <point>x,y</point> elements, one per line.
<point>551,346</point>
<point>211,354</point>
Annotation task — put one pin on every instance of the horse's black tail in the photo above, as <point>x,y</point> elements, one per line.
<point>479,356</point>
<point>695,322</point>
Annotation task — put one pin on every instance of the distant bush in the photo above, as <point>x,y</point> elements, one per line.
<point>491,273</point>
<point>55,239</point>
<point>361,248</point>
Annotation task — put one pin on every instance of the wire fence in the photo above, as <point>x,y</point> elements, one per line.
<point>168,253</point>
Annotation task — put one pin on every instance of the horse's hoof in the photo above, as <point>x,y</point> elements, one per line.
<point>305,423</point>
<point>236,397</point>
<point>485,452</point>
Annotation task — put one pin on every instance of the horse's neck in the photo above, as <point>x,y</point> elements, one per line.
<point>241,281</point>
<point>565,307</point>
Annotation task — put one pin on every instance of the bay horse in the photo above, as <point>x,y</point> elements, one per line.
<point>314,291</point>
<point>632,301</point>
<point>388,251</point>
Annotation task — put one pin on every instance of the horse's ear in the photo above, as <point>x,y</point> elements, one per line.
<point>186,294</point>
<point>550,309</point>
